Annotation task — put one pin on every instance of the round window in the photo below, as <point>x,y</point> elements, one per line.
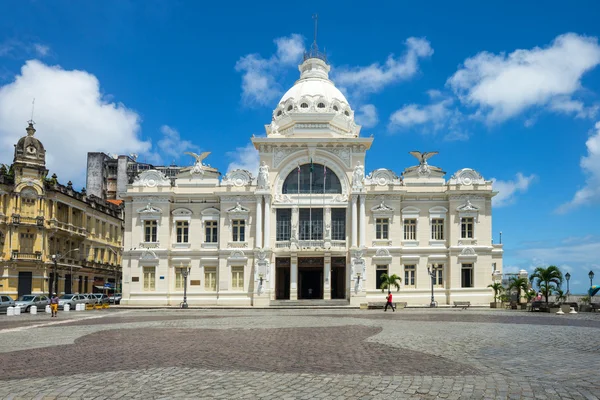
<point>335,108</point>
<point>321,105</point>
<point>347,113</point>
<point>303,105</point>
<point>279,113</point>
<point>290,107</point>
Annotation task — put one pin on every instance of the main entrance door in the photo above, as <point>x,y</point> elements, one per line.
<point>310,278</point>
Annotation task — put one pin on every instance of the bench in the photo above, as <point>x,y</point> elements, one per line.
<point>381,304</point>
<point>462,304</point>
<point>539,306</point>
<point>594,307</point>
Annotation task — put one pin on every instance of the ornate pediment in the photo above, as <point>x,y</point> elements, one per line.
<point>382,177</point>
<point>238,209</point>
<point>466,177</point>
<point>382,253</point>
<point>467,207</point>
<point>181,212</point>
<point>149,209</point>
<point>237,177</point>
<point>151,178</point>
<point>149,256</point>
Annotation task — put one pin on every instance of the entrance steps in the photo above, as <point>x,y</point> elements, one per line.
<point>317,303</point>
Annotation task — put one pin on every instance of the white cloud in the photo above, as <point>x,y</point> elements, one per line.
<point>259,75</point>
<point>366,116</point>
<point>373,78</point>
<point>590,193</point>
<point>507,190</point>
<point>244,158</point>
<point>72,118</point>
<point>586,253</point>
<point>172,145</point>
<point>414,114</point>
<point>569,106</point>
<point>41,49</point>
<point>503,86</point>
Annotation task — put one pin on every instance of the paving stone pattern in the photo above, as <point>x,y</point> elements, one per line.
<point>300,354</point>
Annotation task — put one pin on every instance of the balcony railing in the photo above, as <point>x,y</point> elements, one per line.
<point>16,255</point>
<point>282,244</point>
<point>149,245</point>
<point>64,226</point>
<point>338,243</point>
<point>382,242</point>
<point>237,245</point>
<point>311,243</point>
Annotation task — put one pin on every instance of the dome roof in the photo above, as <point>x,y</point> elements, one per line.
<point>29,149</point>
<point>313,93</point>
<point>314,87</point>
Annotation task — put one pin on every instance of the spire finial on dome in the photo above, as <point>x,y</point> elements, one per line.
<point>30,129</point>
<point>314,48</point>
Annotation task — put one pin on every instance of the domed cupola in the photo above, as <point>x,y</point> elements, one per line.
<point>29,150</point>
<point>313,106</point>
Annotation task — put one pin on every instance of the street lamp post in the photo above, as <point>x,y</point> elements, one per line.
<point>55,278</point>
<point>185,272</point>
<point>431,273</point>
<point>567,277</point>
<point>591,276</point>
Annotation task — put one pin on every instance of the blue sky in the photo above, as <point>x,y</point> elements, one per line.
<point>510,89</point>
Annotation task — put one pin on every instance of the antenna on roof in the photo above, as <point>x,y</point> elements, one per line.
<point>316,18</point>
<point>31,121</point>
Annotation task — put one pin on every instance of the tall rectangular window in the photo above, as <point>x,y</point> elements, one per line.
<point>237,278</point>
<point>179,278</point>
<point>437,229</point>
<point>211,231</point>
<point>438,274</point>
<point>182,228</point>
<point>410,229</point>
<point>284,224</point>
<point>26,242</point>
<point>239,230</point>
<point>409,275</point>
<point>382,228</point>
<point>381,269</point>
<point>150,228</point>
<point>210,279</point>
<point>311,224</point>
<point>466,275</point>
<point>466,228</point>
<point>338,224</point>
<point>149,278</point>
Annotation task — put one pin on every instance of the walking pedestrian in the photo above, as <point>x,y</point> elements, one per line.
<point>389,302</point>
<point>54,305</point>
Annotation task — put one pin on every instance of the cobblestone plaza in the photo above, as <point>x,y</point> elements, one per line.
<point>300,354</point>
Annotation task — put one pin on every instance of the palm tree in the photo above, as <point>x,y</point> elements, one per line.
<point>560,296</point>
<point>518,284</point>
<point>547,279</point>
<point>387,281</point>
<point>497,288</point>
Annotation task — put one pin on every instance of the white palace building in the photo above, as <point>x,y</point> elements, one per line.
<point>312,226</point>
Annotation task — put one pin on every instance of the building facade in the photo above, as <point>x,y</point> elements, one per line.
<point>312,225</point>
<point>52,237</point>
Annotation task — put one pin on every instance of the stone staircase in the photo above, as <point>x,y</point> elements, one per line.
<point>337,303</point>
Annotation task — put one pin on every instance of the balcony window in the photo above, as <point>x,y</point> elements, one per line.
<point>466,228</point>
<point>284,224</point>
<point>182,228</point>
<point>238,226</point>
<point>211,231</point>
<point>338,224</point>
<point>437,229</point>
<point>382,228</point>
<point>410,229</point>
<point>150,230</point>
<point>311,224</point>
<point>312,178</point>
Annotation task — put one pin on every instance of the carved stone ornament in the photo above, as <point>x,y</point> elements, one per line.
<point>237,255</point>
<point>340,198</point>
<point>237,177</point>
<point>382,253</point>
<point>467,207</point>
<point>283,198</point>
<point>148,255</point>
<point>358,176</point>
<point>424,170</point>
<point>342,153</point>
<point>152,178</point>
<point>467,251</point>
<point>281,153</point>
<point>238,209</point>
<point>382,207</point>
<point>466,177</point>
<point>149,209</point>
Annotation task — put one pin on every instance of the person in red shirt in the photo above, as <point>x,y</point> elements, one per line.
<point>389,302</point>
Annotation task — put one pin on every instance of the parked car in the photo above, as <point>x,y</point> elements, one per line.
<point>90,298</point>
<point>5,302</point>
<point>71,300</point>
<point>101,298</point>
<point>115,298</point>
<point>25,302</point>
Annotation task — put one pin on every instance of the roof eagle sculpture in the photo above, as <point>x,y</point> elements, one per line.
<point>198,166</point>
<point>423,156</point>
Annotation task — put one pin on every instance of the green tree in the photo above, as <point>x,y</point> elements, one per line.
<point>530,294</point>
<point>497,288</point>
<point>560,295</point>
<point>387,281</point>
<point>547,279</point>
<point>518,284</point>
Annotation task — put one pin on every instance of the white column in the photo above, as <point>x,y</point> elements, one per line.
<point>294,278</point>
<point>327,278</point>
<point>267,232</point>
<point>362,221</point>
<point>327,223</point>
<point>258,223</point>
<point>354,221</point>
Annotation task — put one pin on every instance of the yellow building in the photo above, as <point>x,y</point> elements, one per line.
<point>48,229</point>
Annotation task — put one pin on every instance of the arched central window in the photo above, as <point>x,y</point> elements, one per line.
<point>323,180</point>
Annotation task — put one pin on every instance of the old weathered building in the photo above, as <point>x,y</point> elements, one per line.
<point>312,225</point>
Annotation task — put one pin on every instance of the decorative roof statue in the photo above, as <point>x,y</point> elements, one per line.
<point>198,167</point>
<point>263,176</point>
<point>423,157</point>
